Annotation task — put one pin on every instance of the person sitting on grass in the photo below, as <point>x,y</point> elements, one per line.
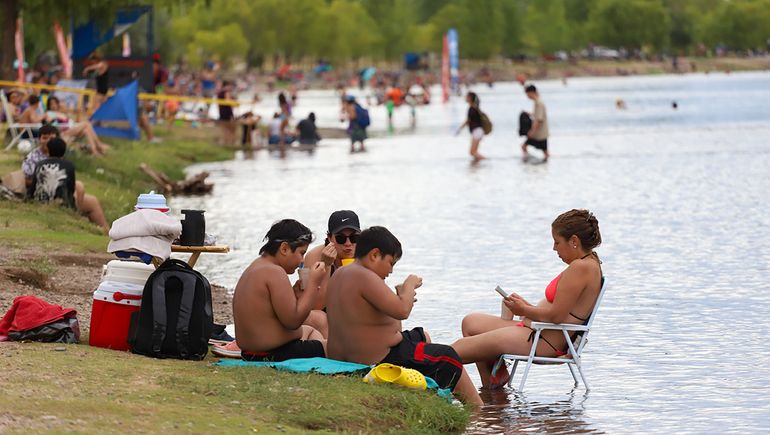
<point>268,315</point>
<point>365,318</point>
<point>340,244</point>
<point>54,180</point>
<point>71,130</point>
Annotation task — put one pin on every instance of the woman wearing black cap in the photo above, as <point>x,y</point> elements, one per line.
<point>339,246</point>
<point>340,243</point>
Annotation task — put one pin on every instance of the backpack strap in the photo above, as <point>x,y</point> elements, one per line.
<point>189,282</point>
<point>160,322</point>
<point>158,312</point>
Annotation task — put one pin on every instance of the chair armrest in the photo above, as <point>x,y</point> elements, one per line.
<point>37,125</point>
<point>558,326</point>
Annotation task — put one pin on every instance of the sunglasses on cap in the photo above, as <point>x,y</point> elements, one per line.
<point>340,238</point>
<point>303,238</point>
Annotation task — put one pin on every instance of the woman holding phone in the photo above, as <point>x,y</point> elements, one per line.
<point>569,298</point>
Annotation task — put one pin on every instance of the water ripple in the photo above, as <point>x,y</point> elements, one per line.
<point>681,198</point>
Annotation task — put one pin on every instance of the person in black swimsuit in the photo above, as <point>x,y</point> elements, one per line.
<point>99,69</point>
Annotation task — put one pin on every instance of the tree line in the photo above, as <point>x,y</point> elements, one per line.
<point>289,31</point>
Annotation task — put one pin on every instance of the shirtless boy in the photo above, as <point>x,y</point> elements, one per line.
<point>365,318</point>
<point>268,315</point>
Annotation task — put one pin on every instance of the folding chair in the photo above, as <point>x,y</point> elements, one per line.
<point>16,130</point>
<point>575,345</point>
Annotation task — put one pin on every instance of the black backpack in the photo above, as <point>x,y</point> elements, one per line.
<point>176,318</point>
<point>525,123</point>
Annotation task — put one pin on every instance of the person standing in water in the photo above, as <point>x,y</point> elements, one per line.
<point>538,133</point>
<point>473,121</point>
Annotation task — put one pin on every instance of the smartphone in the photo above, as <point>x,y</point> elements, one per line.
<point>501,291</point>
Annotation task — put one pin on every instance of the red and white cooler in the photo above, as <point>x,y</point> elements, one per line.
<point>117,297</point>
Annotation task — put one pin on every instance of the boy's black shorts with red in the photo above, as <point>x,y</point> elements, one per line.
<point>437,361</point>
<point>290,350</point>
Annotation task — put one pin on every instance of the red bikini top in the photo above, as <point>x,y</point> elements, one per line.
<point>550,290</point>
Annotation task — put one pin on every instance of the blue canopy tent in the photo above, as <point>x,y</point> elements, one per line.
<point>120,107</point>
<point>88,37</point>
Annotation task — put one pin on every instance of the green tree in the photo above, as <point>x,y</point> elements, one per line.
<point>395,20</point>
<point>512,42</point>
<point>450,16</point>
<point>344,31</point>
<point>546,26</point>
<point>479,25</point>
<point>740,25</point>
<point>577,13</point>
<point>630,23</point>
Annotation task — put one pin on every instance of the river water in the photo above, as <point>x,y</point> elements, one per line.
<point>680,343</point>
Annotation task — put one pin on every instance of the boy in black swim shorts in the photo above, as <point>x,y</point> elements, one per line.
<point>537,136</point>
<point>365,318</point>
<point>268,315</point>
<point>290,350</point>
<point>437,361</point>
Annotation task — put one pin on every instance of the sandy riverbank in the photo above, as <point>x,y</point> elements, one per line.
<point>69,280</point>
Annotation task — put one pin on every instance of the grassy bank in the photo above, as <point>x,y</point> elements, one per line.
<point>115,179</point>
<point>91,390</point>
<point>48,253</point>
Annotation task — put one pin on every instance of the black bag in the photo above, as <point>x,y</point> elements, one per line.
<point>66,330</point>
<point>525,123</point>
<point>176,317</point>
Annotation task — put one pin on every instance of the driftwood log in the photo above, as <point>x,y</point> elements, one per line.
<point>195,185</point>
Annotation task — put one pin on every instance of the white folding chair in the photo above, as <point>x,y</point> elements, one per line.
<point>16,130</point>
<point>575,345</point>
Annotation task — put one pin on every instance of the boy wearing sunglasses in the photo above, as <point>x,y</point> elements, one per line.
<point>268,315</point>
<point>365,318</point>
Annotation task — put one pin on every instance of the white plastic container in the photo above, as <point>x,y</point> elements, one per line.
<point>128,272</point>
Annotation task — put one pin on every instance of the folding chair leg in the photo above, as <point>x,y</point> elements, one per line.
<point>513,372</point>
<point>524,376</point>
<point>13,143</point>
<point>529,361</point>
<point>574,376</point>
<point>582,376</point>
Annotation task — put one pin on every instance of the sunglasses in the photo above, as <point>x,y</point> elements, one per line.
<point>340,238</point>
<point>303,238</point>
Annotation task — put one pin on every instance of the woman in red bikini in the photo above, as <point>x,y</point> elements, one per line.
<point>569,298</point>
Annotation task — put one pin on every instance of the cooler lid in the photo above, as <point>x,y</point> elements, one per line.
<point>119,293</point>
<point>130,272</point>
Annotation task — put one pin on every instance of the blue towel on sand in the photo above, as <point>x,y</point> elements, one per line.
<point>324,366</point>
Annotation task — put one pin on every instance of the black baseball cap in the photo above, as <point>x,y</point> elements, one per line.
<point>341,219</point>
